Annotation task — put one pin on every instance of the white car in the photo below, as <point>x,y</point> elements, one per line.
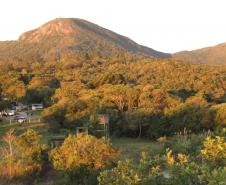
<point>11,113</point>
<point>21,120</point>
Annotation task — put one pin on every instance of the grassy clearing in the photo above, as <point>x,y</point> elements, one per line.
<point>41,128</point>
<point>20,128</point>
<point>129,148</point>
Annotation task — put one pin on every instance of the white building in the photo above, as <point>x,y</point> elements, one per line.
<point>37,106</point>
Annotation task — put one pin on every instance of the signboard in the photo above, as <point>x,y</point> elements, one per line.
<point>103,119</point>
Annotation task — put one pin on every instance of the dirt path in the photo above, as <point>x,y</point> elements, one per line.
<point>48,174</point>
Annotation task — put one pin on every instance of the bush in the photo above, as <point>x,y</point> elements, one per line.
<point>129,173</point>
<point>173,168</point>
<point>189,144</point>
<point>81,157</point>
<point>214,150</point>
<point>21,156</point>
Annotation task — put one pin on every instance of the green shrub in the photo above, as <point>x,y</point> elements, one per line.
<point>173,168</point>
<point>189,144</point>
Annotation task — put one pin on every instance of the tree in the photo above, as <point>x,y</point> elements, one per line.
<point>196,101</point>
<point>220,118</point>
<point>82,153</point>
<point>159,100</point>
<point>9,138</point>
<point>110,78</point>
<point>22,156</point>
<point>118,97</point>
<point>54,116</point>
<point>136,119</point>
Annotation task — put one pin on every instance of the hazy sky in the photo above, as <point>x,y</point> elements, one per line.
<point>165,25</point>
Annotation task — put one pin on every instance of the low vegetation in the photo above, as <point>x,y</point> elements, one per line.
<point>84,159</point>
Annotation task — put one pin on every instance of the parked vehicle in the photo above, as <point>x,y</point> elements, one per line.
<point>10,113</point>
<point>18,117</point>
<point>21,120</point>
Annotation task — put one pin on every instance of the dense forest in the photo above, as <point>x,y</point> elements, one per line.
<point>143,97</point>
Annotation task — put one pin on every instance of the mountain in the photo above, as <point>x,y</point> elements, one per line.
<point>215,55</point>
<point>63,37</point>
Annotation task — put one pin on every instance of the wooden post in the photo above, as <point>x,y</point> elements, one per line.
<point>104,120</point>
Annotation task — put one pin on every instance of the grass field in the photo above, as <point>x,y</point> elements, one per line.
<point>131,148</point>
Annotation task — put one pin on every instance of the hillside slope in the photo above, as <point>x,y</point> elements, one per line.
<point>215,55</point>
<point>65,36</point>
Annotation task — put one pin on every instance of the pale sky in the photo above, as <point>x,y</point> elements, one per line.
<point>164,25</point>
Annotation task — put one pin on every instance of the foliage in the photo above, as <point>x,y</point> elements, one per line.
<point>170,169</point>
<point>168,95</point>
<point>185,143</point>
<point>82,155</point>
<point>215,150</point>
<point>22,155</point>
